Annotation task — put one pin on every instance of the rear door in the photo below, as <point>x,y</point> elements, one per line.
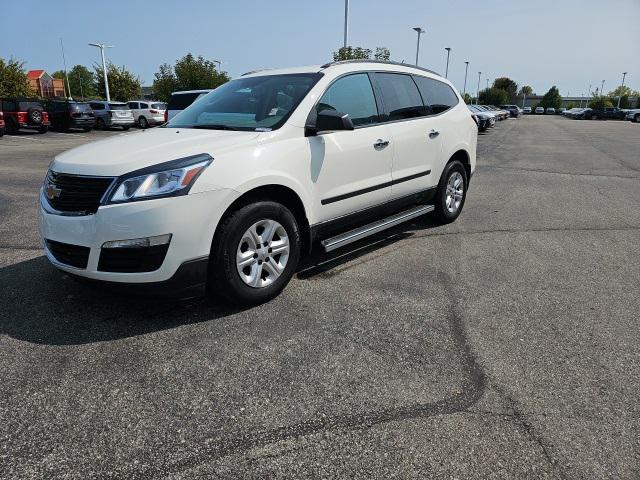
<point>415,134</point>
<point>351,170</point>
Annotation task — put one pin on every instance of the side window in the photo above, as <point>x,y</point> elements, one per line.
<point>97,106</point>
<point>400,96</point>
<point>133,105</point>
<point>437,95</point>
<point>144,105</point>
<point>352,94</point>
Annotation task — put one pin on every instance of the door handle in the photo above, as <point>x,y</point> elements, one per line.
<point>433,133</point>
<point>380,144</point>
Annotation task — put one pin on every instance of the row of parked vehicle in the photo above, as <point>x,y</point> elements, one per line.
<point>486,116</point>
<point>33,114</point>
<point>607,113</point>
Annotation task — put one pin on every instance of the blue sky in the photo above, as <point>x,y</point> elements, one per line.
<point>569,43</point>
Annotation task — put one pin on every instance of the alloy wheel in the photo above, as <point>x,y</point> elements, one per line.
<point>454,192</point>
<point>263,253</point>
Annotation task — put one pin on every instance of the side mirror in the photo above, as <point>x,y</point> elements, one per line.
<point>328,121</point>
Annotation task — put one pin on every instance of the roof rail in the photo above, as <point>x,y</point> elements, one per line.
<point>386,62</point>
<point>254,71</point>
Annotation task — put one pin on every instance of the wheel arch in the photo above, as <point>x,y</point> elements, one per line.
<point>463,157</point>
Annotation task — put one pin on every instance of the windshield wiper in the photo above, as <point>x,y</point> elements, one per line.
<point>214,126</point>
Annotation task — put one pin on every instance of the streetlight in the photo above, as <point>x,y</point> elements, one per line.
<point>102,46</point>
<point>346,23</point>
<point>64,62</point>
<point>478,94</point>
<point>602,89</point>
<point>466,69</point>
<point>624,74</point>
<point>446,72</point>
<point>219,64</point>
<point>420,32</point>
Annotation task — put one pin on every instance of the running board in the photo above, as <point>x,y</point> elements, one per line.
<point>371,229</point>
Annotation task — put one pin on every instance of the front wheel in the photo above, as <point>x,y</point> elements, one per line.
<point>451,193</point>
<point>43,129</point>
<point>636,119</point>
<point>255,253</point>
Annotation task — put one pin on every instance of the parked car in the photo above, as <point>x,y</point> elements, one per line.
<point>484,119</point>
<point>526,110</point>
<point>502,114</point>
<point>256,174</point>
<point>24,113</point>
<point>147,112</point>
<point>112,114</point>
<point>181,100</point>
<point>67,114</point>
<point>561,111</point>
<point>512,109</point>
<point>2,125</point>
<point>611,113</point>
<point>550,111</point>
<point>539,110</point>
<point>633,115</point>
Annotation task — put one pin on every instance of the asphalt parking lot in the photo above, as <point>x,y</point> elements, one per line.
<point>505,345</point>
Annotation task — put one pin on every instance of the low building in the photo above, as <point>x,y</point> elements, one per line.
<point>45,85</point>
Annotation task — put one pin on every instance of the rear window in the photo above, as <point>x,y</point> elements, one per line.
<point>438,96</point>
<point>118,106</point>
<point>159,106</point>
<point>180,101</point>
<point>80,107</point>
<point>22,106</point>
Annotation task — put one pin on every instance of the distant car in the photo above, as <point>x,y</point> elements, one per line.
<point>526,110</point>
<point>484,120</point>
<point>24,113</point>
<point>181,100</point>
<point>539,110</point>
<point>492,113</point>
<point>512,109</point>
<point>112,114</point>
<point>611,113</point>
<point>1,124</point>
<point>633,115</point>
<point>147,112</point>
<point>67,114</point>
<point>550,111</point>
<point>561,111</point>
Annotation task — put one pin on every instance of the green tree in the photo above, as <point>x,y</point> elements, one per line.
<point>600,102</point>
<point>493,96</point>
<point>123,85</point>
<point>188,73</point>
<point>468,99</point>
<point>526,90</point>
<point>82,82</point>
<point>508,85</point>
<point>13,79</point>
<point>382,53</point>
<point>351,53</point>
<point>551,99</point>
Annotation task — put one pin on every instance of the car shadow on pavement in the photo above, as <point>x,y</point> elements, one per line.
<point>43,305</point>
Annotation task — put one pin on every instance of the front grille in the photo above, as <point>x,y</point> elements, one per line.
<point>132,260</point>
<point>75,193</point>
<point>73,255</point>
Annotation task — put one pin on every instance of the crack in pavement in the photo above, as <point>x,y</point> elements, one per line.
<point>552,172</point>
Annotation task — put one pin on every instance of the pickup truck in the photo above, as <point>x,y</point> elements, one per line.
<point>605,113</point>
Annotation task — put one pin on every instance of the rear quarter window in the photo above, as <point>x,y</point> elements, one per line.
<point>439,96</point>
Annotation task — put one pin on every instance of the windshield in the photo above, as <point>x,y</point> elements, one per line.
<point>263,103</point>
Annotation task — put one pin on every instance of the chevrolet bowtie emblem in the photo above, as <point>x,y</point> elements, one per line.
<point>52,192</point>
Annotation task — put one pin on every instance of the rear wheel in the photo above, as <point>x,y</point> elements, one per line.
<point>636,119</point>
<point>255,253</point>
<point>100,125</point>
<point>43,129</point>
<point>143,122</point>
<point>126,127</point>
<point>451,193</point>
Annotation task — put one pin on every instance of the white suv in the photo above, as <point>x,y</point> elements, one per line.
<point>147,112</point>
<point>234,189</point>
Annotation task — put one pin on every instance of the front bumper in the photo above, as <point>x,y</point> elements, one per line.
<point>190,219</point>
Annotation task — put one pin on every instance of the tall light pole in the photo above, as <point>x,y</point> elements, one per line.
<point>346,23</point>
<point>420,32</point>
<point>466,69</point>
<point>219,64</point>
<point>478,94</point>
<point>64,62</point>
<point>602,89</point>
<point>102,46</point>
<point>624,74</point>
<point>446,72</point>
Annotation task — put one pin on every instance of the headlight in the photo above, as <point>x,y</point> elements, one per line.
<point>164,180</point>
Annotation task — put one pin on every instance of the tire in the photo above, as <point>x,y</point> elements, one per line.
<point>594,117</point>
<point>636,119</point>
<point>87,129</point>
<point>126,127</point>
<point>43,129</point>
<point>1,132</point>
<point>100,125</point>
<point>453,172</point>
<point>238,233</point>
<point>142,122</point>
<point>35,115</point>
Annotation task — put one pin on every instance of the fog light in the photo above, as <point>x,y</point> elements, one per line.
<point>139,242</point>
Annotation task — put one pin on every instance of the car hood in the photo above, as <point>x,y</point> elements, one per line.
<point>131,151</point>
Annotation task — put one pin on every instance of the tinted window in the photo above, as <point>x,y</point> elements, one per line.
<point>352,94</point>
<point>81,107</point>
<point>400,96</point>
<point>144,105</point>
<point>248,103</point>
<point>159,106</point>
<point>133,104</point>
<point>97,106</point>
<point>180,101</point>
<point>24,106</point>
<point>437,95</point>
<point>118,106</point>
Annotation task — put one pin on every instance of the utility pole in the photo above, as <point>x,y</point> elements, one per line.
<point>346,23</point>
<point>624,74</point>
<point>602,89</point>
<point>102,46</point>
<point>466,69</point>
<point>420,32</point>
<point>446,72</point>
<point>478,94</point>
<point>64,62</point>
